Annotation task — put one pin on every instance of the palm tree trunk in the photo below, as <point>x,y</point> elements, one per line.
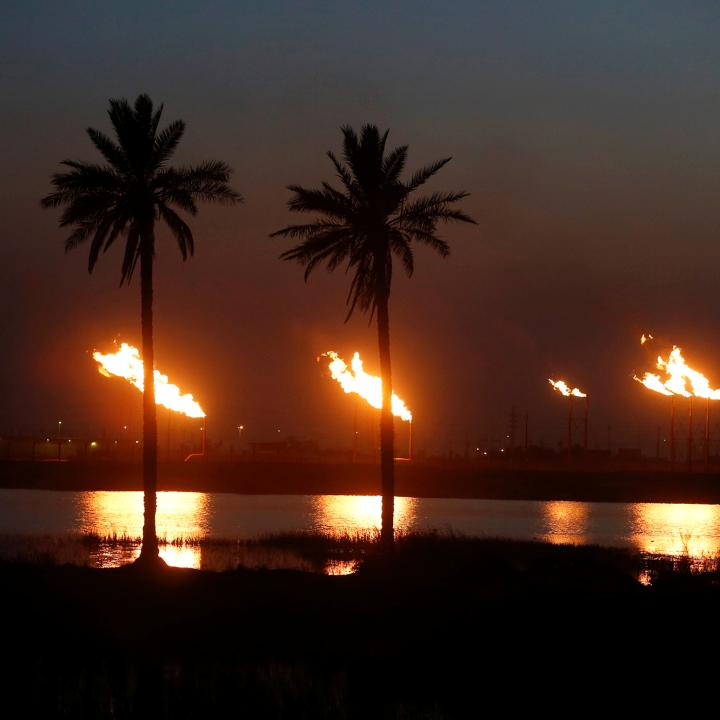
<point>387,453</point>
<point>149,550</point>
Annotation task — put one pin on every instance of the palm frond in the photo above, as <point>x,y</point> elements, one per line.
<point>316,243</point>
<point>394,164</point>
<point>400,245</point>
<point>172,195</point>
<point>362,289</point>
<point>101,231</point>
<point>82,232</point>
<point>104,202</point>
<point>365,156</point>
<point>83,179</point>
<point>86,208</point>
<point>131,255</point>
<point>207,182</point>
<point>110,151</point>
<point>124,123</point>
<point>118,229</point>
<point>179,229</point>
<point>307,230</point>
<point>334,255</point>
<point>370,219</point>
<point>433,208</point>
<point>428,237</point>
<point>155,121</point>
<point>144,111</point>
<point>327,201</point>
<point>166,142</point>
<point>351,144</point>
<point>420,177</point>
<point>345,175</point>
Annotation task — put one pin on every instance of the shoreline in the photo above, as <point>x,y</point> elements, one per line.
<point>406,638</point>
<point>517,482</point>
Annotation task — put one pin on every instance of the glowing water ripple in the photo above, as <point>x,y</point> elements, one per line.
<point>179,515</point>
<point>673,529</point>
<point>339,514</point>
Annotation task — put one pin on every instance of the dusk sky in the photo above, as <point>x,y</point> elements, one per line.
<point>586,133</point>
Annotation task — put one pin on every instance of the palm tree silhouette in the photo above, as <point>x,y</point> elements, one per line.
<point>362,226</point>
<point>124,198</point>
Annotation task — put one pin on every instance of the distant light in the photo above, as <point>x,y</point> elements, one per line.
<point>116,442</point>
<point>485,453</point>
<point>69,441</point>
<point>47,439</point>
<point>137,442</point>
<point>477,449</point>
<point>502,449</point>
<point>93,444</point>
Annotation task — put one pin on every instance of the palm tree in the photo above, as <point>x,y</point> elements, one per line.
<point>123,198</point>
<point>363,225</point>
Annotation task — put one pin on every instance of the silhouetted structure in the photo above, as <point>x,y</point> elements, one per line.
<point>367,222</point>
<point>124,198</point>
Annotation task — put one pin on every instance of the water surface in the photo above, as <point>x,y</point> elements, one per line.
<point>667,528</point>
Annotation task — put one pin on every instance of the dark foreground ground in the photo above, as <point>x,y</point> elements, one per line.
<point>586,481</point>
<point>451,628</point>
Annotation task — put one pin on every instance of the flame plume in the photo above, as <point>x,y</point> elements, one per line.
<point>126,363</point>
<point>369,387</point>
<point>562,387</point>
<point>681,378</point>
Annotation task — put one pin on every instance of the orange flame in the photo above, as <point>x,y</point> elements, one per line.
<point>367,386</point>
<point>126,363</point>
<point>562,387</point>
<point>681,378</point>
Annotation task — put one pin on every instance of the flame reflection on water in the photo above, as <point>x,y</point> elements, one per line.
<point>674,529</point>
<point>671,529</point>
<point>677,529</point>
<point>187,556</point>
<point>566,521</point>
<point>187,515</point>
<point>348,514</point>
<point>179,515</point>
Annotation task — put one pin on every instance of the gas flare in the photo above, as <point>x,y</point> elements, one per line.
<point>369,387</point>
<point>562,387</point>
<point>126,363</point>
<point>681,378</point>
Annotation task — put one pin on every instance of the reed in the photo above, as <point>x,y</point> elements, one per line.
<point>349,551</point>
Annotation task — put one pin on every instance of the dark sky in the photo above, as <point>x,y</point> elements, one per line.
<point>586,133</point>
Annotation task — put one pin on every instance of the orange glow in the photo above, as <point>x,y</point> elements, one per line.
<point>179,515</point>
<point>562,387</point>
<point>369,387</point>
<point>680,379</point>
<point>186,556</point>
<point>126,363</point>
<point>341,514</point>
<point>567,522</point>
<point>677,529</point>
